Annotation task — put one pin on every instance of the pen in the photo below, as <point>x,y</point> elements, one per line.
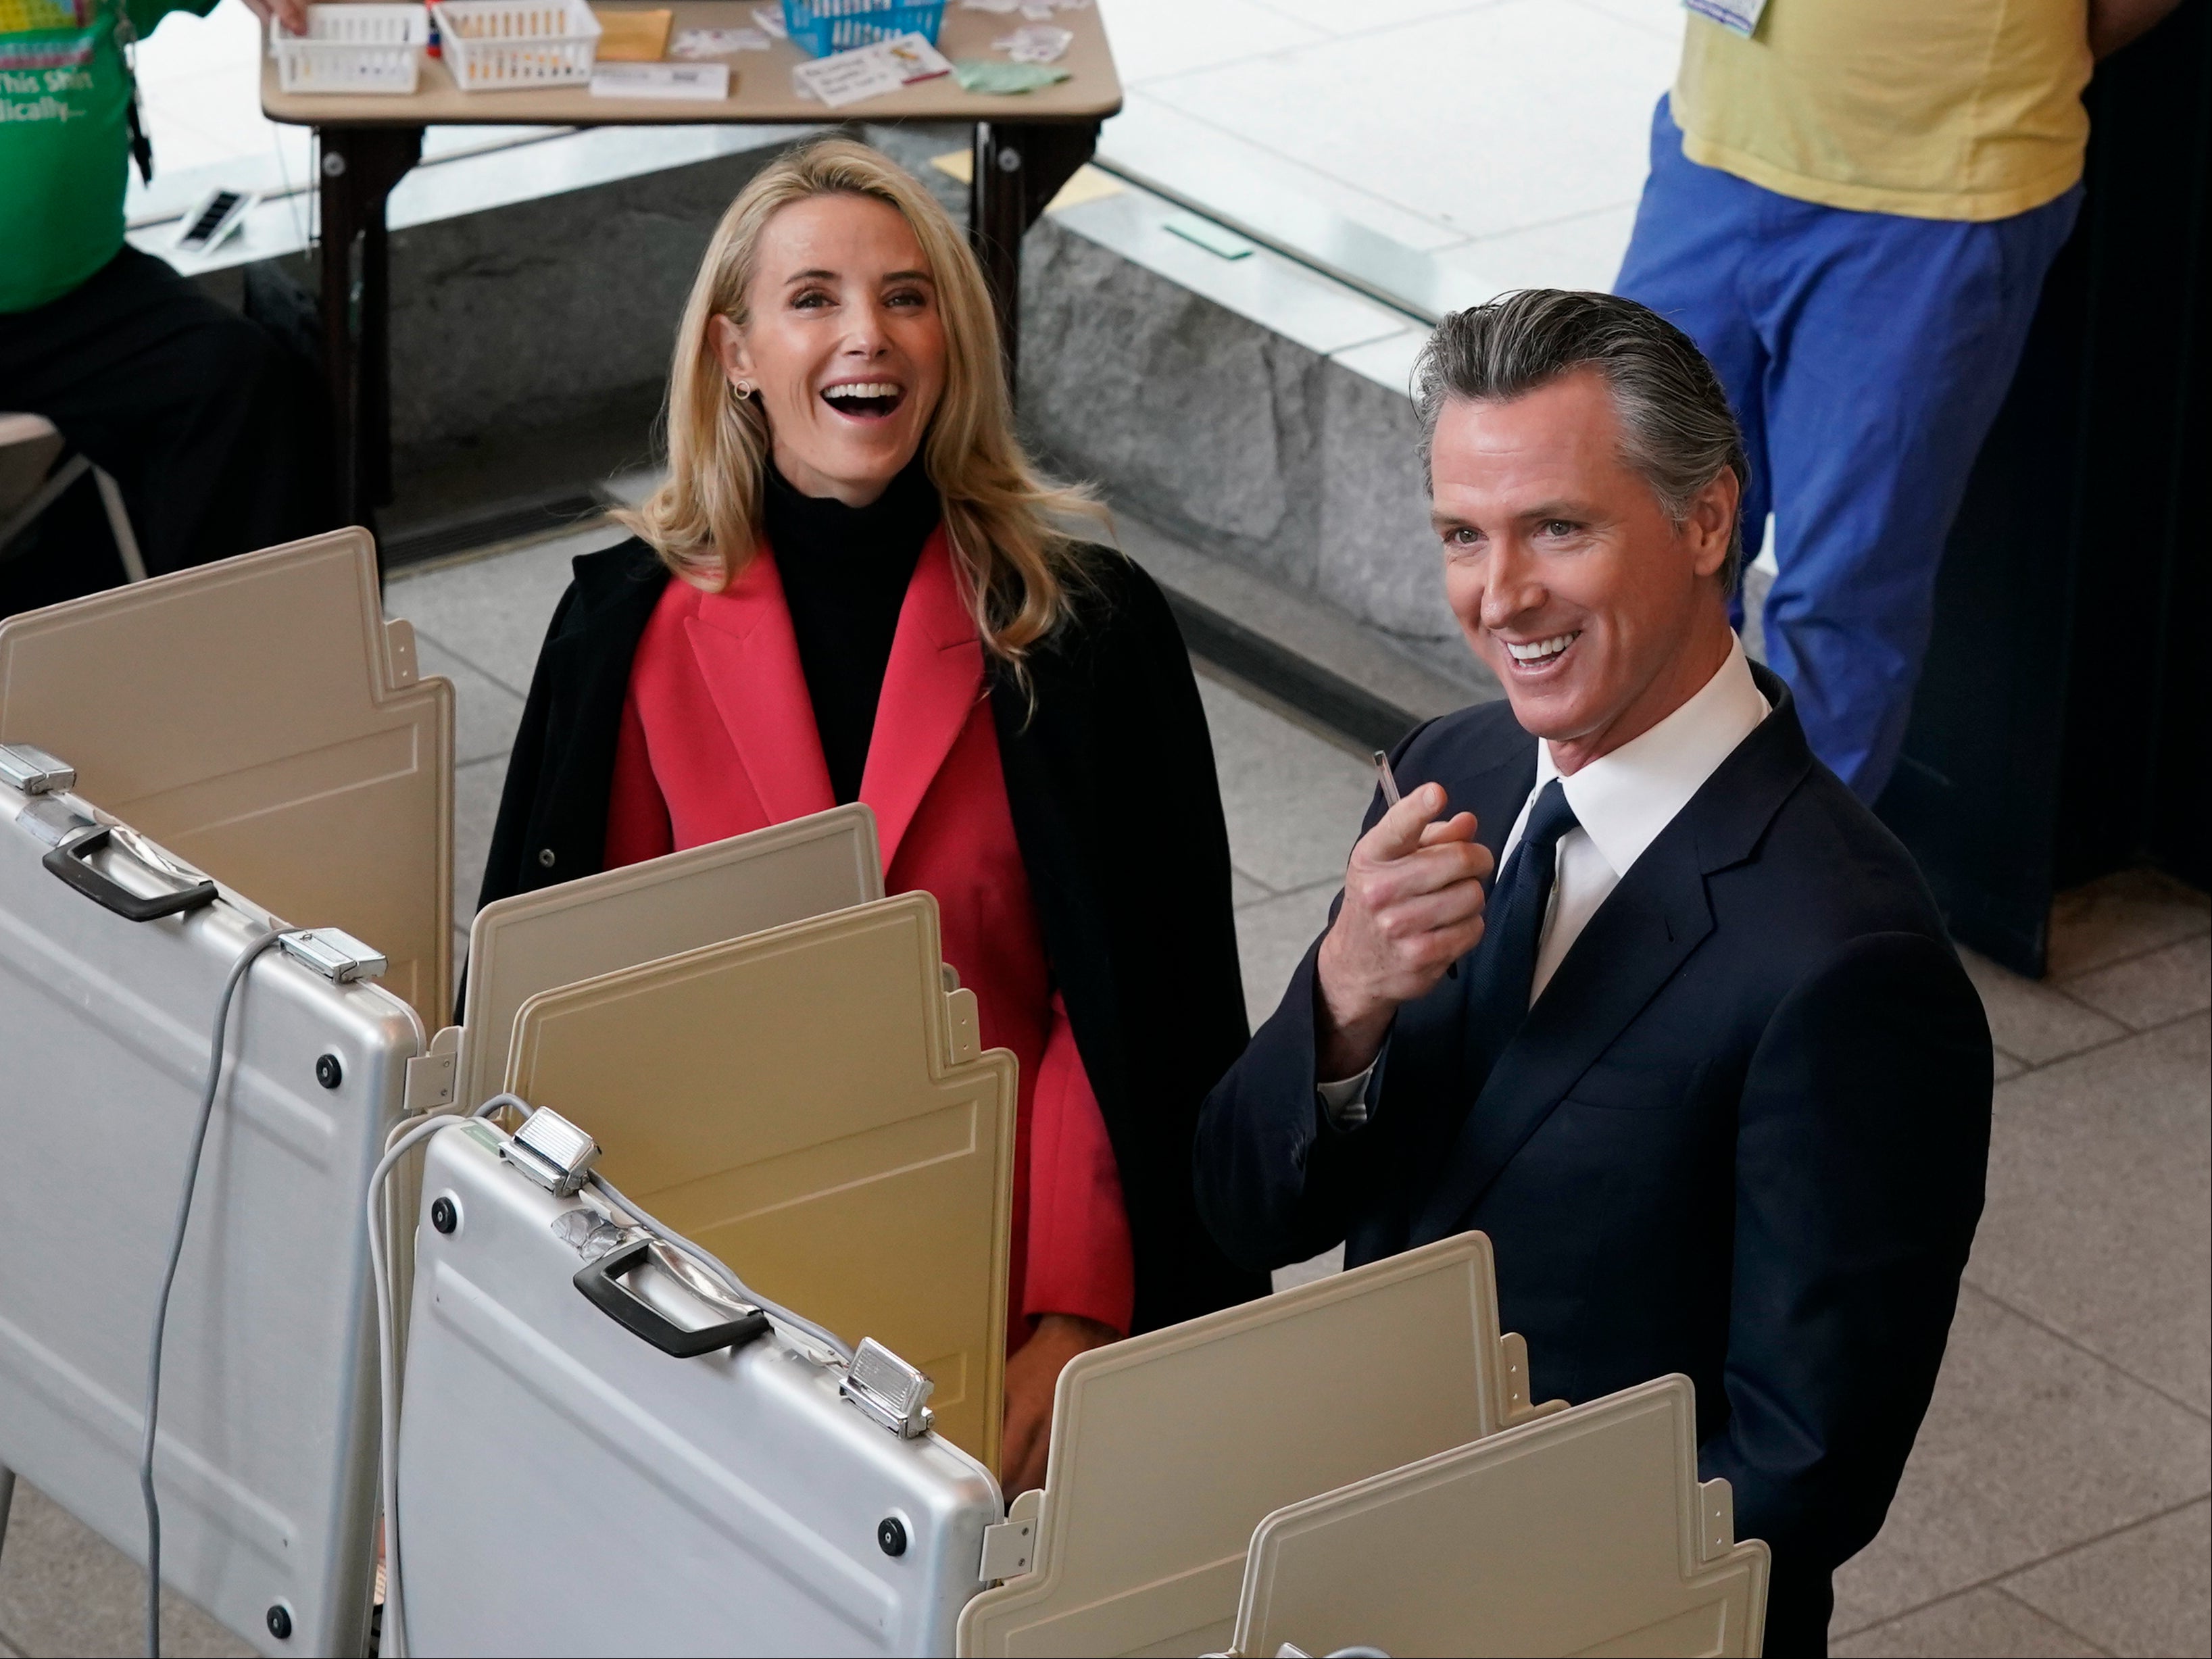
<point>1390,797</point>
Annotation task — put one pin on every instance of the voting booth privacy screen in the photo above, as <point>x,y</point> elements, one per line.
<point>600,1447</point>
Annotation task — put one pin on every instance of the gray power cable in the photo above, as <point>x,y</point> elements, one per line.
<point>169,1278</point>
<point>405,1138</point>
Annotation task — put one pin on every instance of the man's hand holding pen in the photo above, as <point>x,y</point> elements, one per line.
<point>1413,907</point>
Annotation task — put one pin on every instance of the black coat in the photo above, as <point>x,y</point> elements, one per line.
<point>1117,812</point>
<point>1741,1136</point>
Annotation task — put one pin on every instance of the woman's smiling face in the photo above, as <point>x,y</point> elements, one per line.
<point>845,344</point>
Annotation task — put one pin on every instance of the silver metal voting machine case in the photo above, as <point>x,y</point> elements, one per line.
<point>266,1458</point>
<point>241,737</point>
<point>569,1485</point>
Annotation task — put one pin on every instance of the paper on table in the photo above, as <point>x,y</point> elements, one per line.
<point>1035,43</point>
<point>707,82</point>
<point>847,77</point>
<point>716,43</point>
<point>991,78</point>
<point>632,37</point>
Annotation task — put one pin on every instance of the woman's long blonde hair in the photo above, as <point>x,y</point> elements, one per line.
<point>705,521</point>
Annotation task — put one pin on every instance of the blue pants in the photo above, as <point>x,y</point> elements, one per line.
<point>1866,354</point>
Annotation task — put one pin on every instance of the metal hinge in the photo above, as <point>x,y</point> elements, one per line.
<point>431,1080</point>
<point>1008,1548</point>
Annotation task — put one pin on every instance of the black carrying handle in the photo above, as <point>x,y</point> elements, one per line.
<point>601,1281</point>
<point>68,861</point>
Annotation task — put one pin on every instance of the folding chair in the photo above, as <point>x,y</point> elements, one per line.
<point>34,473</point>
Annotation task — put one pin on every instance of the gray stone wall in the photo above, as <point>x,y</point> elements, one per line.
<point>1236,439</point>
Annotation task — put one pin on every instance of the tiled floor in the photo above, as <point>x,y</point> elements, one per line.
<point>2058,1501</point>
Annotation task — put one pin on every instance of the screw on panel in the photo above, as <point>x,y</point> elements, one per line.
<point>890,1532</point>
<point>280,1621</point>
<point>444,1216</point>
<point>329,1073</point>
<point>1009,161</point>
<point>545,857</point>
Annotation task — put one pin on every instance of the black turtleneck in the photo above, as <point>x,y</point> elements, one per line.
<point>845,572</point>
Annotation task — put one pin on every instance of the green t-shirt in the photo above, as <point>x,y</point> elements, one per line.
<point>64,140</point>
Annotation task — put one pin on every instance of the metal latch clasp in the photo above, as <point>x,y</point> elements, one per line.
<point>32,770</point>
<point>553,1153</point>
<point>887,1390</point>
<point>339,956</point>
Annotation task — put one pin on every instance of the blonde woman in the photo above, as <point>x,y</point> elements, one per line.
<point>855,586</point>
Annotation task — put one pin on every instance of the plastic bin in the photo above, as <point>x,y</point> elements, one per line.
<point>819,27</point>
<point>352,48</point>
<point>514,44</point>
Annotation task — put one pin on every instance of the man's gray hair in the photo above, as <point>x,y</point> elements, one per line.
<point>1677,429</point>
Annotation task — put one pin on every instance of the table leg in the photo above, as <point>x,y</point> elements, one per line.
<point>360,166</point>
<point>1018,170</point>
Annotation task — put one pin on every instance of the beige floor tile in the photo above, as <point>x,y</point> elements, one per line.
<point>485,713</point>
<point>1272,937</point>
<point>1982,1623</point>
<point>2098,1221</point>
<point>2030,1445</point>
<point>492,613</point>
<point>2151,989</point>
<point>1294,801</point>
<point>63,1589</point>
<point>2148,1591</point>
<point>1243,891</point>
<point>476,803</point>
<point>2035,1023</point>
<point>2121,916</point>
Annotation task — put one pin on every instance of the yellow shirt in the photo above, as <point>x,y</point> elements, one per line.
<point>1934,109</point>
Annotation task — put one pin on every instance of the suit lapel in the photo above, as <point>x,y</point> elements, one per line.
<point>1643,933</point>
<point>748,658</point>
<point>931,686</point>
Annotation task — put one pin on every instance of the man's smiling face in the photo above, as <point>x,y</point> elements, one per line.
<point>1597,612</point>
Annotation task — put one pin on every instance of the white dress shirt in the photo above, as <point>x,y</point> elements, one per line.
<point>1622,800</point>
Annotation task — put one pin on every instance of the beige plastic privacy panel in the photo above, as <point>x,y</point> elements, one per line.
<point>1583,1533</point>
<point>812,1105</point>
<point>1168,1448</point>
<point>533,942</point>
<point>260,719</point>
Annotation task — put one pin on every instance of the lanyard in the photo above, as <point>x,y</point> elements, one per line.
<point>126,41</point>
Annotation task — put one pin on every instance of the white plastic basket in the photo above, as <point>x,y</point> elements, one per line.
<point>494,44</point>
<point>352,48</point>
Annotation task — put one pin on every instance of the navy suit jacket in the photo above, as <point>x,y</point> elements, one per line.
<point>1741,1136</point>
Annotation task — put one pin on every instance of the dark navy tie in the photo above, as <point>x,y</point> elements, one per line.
<point>1504,965</point>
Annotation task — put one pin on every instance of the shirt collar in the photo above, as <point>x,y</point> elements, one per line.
<point>1625,798</point>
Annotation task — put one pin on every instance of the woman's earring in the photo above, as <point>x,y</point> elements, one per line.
<point>743,388</point>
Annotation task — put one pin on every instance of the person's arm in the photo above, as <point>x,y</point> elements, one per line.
<point>1079,1277</point>
<point>293,13</point>
<point>1862,1143</point>
<point>2116,23</point>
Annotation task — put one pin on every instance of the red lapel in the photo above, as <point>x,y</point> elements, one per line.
<point>931,687</point>
<point>749,659</point>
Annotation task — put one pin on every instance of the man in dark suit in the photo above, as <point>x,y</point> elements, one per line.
<point>1703,1063</point>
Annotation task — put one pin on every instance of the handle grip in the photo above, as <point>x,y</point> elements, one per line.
<point>68,861</point>
<point>601,1283</point>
